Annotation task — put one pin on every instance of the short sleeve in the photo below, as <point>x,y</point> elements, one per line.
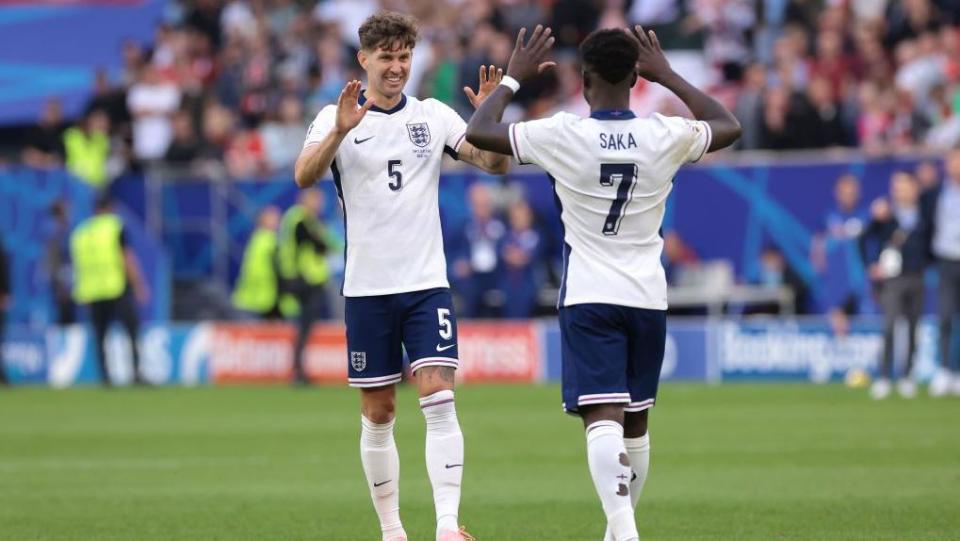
<point>690,138</point>
<point>455,129</point>
<point>321,125</point>
<point>535,141</point>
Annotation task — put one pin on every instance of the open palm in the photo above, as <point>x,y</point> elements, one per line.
<point>349,114</point>
<point>490,77</point>
<point>528,58</point>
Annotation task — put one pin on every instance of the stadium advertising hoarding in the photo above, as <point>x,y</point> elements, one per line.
<point>250,353</point>
<point>784,349</point>
<point>498,352</point>
<point>24,355</point>
<point>228,353</point>
<point>490,352</point>
<point>169,354</point>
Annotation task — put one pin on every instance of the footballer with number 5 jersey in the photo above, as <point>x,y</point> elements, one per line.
<point>384,150</point>
<point>612,173</point>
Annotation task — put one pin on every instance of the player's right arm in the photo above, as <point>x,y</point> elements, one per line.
<point>486,129</point>
<point>653,66</point>
<point>316,157</point>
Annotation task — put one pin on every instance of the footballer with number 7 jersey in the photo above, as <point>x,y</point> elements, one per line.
<point>612,173</point>
<point>384,150</point>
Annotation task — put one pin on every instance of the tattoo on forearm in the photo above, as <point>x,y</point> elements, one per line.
<point>490,160</point>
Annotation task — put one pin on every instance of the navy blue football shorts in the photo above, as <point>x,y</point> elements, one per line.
<point>380,327</point>
<point>611,355</point>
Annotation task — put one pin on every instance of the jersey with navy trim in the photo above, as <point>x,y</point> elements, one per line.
<point>612,174</point>
<point>387,172</point>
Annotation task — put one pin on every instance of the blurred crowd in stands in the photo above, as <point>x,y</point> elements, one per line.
<point>227,89</point>
<point>232,84</point>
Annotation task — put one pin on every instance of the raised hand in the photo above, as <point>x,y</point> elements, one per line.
<point>490,77</point>
<point>526,62</point>
<point>652,65</point>
<point>349,114</point>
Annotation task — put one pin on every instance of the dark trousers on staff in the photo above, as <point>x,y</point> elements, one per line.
<point>901,296</point>
<point>948,306</point>
<point>314,306</point>
<point>102,313</point>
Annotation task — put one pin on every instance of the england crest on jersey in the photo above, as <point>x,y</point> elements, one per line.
<point>358,360</point>
<point>419,133</point>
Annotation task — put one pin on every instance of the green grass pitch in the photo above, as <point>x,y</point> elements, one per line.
<point>731,462</point>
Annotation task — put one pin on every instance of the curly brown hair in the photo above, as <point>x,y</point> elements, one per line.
<point>388,30</point>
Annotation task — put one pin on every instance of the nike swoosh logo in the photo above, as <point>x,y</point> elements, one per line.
<point>358,141</point>
<point>444,348</point>
<point>448,466</point>
<point>381,484</point>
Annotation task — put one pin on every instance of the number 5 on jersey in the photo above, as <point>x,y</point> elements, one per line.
<point>393,171</point>
<point>623,176</point>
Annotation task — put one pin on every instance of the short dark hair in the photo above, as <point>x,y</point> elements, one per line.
<point>610,53</point>
<point>388,30</point>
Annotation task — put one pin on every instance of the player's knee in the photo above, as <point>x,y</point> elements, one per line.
<point>379,413</point>
<point>379,407</point>
<point>635,424</point>
<point>601,412</point>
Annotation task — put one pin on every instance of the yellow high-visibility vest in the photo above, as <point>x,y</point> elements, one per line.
<point>99,270</point>
<point>256,289</point>
<point>300,261</point>
<point>87,155</point>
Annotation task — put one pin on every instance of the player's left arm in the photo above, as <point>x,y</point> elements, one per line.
<point>485,129</point>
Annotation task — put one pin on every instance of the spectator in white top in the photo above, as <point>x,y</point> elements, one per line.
<point>921,69</point>
<point>238,19</point>
<point>282,137</point>
<point>152,103</point>
<point>348,15</point>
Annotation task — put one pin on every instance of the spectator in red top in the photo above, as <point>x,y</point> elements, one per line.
<point>830,62</point>
<point>245,156</point>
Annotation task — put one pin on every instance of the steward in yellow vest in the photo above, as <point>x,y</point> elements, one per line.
<point>105,271</point>
<point>305,271</point>
<point>257,289</point>
<point>87,148</point>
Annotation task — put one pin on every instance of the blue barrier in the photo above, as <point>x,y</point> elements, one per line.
<point>26,196</point>
<point>721,211</point>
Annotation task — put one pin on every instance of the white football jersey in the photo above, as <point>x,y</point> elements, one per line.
<point>387,172</point>
<point>612,174</point>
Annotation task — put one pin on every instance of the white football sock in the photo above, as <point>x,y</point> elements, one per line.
<point>444,452</point>
<point>610,469</point>
<point>638,449</point>
<point>381,464</point>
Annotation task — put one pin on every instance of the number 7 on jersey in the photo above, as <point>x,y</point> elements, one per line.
<point>623,176</point>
